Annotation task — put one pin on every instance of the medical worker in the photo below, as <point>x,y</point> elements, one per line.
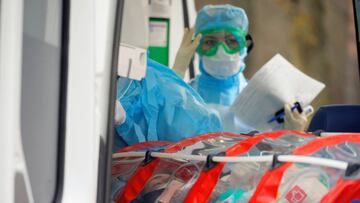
<point>222,44</point>
<point>222,50</point>
<point>162,106</point>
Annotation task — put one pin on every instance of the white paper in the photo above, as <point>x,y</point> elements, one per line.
<point>276,83</point>
<point>158,34</point>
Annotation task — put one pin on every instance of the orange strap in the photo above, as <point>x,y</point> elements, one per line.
<point>139,179</point>
<point>269,184</point>
<point>203,187</point>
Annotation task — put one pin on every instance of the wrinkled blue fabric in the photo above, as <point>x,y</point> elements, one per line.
<point>216,91</point>
<point>162,107</point>
<point>221,16</point>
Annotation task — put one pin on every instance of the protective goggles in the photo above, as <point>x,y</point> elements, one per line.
<point>232,40</point>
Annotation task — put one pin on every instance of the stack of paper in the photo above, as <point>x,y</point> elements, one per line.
<point>276,83</point>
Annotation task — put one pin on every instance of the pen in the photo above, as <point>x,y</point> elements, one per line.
<point>279,116</point>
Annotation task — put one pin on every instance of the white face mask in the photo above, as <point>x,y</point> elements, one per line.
<point>223,65</point>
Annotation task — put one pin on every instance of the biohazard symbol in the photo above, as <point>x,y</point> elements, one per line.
<point>296,195</point>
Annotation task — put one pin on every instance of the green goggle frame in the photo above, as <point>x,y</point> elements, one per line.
<point>239,36</point>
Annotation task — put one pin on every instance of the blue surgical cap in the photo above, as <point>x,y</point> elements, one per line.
<point>221,17</point>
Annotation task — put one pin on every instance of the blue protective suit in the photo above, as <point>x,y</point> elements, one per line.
<point>162,107</point>
<point>219,95</point>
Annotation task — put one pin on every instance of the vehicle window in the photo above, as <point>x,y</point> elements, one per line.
<point>40,94</point>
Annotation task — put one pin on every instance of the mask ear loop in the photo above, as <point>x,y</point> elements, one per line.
<point>249,42</point>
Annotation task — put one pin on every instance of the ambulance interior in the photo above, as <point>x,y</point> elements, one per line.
<point>317,38</point>
<point>320,38</point>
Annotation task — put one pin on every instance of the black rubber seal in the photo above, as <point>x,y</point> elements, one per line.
<point>352,169</point>
<point>210,163</point>
<point>250,43</point>
<point>275,162</point>
<point>64,69</point>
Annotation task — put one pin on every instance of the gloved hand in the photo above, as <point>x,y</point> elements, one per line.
<point>186,52</point>
<point>294,120</point>
<point>120,114</point>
